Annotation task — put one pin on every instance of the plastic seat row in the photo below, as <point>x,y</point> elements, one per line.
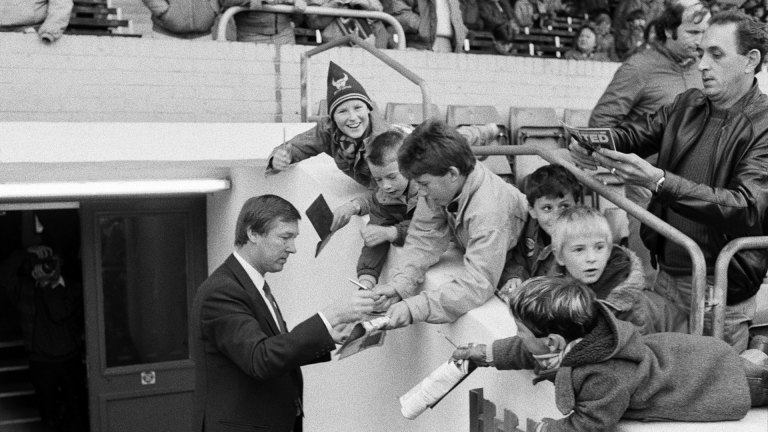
<point>525,126</point>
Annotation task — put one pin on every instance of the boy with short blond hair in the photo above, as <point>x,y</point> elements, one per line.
<point>391,208</point>
<point>582,243</point>
<point>604,370</point>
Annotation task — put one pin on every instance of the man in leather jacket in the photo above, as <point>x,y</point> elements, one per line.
<point>711,180</point>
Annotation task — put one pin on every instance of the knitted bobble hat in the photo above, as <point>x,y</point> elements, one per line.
<point>343,87</point>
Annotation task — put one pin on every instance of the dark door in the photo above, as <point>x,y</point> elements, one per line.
<point>143,259</point>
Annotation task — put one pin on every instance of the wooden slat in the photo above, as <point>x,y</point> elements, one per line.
<point>87,22</point>
<point>94,9</point>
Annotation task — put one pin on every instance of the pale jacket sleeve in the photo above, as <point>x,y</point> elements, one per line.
<point>428,237</point>
<point>474,285</point>
<point>619,98</point>
<point>57,19</point>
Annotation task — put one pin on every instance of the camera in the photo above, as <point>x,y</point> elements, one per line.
<point>47,264</point>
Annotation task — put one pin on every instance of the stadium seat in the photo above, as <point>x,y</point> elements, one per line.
<point>536,127</point>
<point>578,118</point>
<point>460,115</point>
<point>406,113</point>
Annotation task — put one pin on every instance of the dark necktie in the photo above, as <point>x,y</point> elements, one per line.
<point>280,322</point>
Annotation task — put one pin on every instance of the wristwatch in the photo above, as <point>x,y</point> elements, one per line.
<point>660,183</point>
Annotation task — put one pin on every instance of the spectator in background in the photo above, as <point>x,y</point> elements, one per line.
<point>48,18</point>
<point>654,77</point>
<point>754,8</point>
<point>264,27</point>
<point>499,18</point>
<point>631,38</point>
<point>51,317</point>
<point>435,25</point>
<point>332,28</point>
<point>651,8</point>
<point>470,14</point>
<point>182,19</point>
<point>585,46</point>
<point>650,79</point>
<point>605,41</point>
<point>525,13</point>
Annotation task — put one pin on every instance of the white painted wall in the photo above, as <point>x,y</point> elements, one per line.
<point>95,79</point>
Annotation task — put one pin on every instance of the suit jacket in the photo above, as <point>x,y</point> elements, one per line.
<point>247,372</point>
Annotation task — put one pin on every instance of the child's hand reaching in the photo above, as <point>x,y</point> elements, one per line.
<point>375,235</point>
<point>475,353</point>
<point>509,287</point>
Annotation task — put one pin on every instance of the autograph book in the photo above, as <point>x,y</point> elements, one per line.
<point>321,217</point>
<point>591,139</point>
<point>364,335</point>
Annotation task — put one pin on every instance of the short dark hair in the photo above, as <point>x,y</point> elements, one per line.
<point>635,15</point>
<point>751,33</point>
<point>551,181</point>
<point>433,148</point>
<point>259,214</point>
<point>672,16</point>
<point>555,305</point>
<point>383,149</point>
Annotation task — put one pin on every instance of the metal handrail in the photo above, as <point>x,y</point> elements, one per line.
<point>221,34</point>
<point>699,268</point>
<point>720,295</point>
<point>389,61</point>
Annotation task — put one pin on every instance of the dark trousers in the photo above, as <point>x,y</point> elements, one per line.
<point>68,377</point>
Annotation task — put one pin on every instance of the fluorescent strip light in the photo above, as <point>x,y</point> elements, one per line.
<point>57,205</point>
<point>110,188</point>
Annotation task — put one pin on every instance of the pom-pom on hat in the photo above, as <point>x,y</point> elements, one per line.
<point>343,87</point>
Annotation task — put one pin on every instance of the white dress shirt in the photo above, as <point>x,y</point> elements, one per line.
<point>259,281</point>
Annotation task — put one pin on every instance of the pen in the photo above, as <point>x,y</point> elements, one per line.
<point>363,287</point>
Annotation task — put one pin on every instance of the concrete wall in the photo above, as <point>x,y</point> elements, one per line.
<point>112,79</point>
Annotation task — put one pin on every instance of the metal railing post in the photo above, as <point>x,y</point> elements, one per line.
<point>221,34</point>
<point>720,296</point>
<point>699,268</point>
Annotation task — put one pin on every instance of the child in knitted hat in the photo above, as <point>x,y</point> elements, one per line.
<point>343,134</point>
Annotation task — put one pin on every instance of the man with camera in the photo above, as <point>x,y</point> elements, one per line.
<point>50,314</point>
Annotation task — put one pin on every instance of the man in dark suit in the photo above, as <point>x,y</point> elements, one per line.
<point>246,361</point>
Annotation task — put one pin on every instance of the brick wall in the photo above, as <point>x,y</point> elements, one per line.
<point>86,78</point>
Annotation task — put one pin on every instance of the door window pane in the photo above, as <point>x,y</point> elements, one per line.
<point>144,288</point>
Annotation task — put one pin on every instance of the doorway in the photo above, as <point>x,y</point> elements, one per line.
<point>143,260</point>
<point>139,262</point>
<point>43,383</point>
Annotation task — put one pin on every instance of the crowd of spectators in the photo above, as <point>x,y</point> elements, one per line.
<point>600,30</point>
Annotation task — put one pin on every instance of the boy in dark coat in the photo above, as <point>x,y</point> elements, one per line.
<point>550,190</point>
<point>604,370</point>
